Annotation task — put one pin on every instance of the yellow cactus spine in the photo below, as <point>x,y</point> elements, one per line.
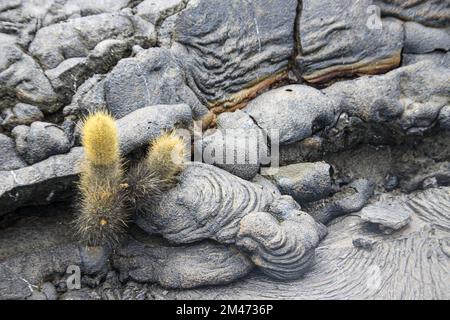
<point>166,156</point>
<point>157,172</point>
<point>102,216</point>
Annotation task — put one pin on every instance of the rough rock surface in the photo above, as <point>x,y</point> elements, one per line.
<point>181,267</point>
<point>77,37</point>
<point>232,49</point>
<point>412,96</point>
<point>387,215</point>
<point>220,201</point>
<point>399,266</point>
<point>294,112</point>
<point>282,245</point>
<point>209,203</point>
<point>349,199</point>
<point>141,126</point>
<point>305,182</point>
<point>420,39</point>
<point>334,40</point>
<point>152,77</point>
<point>157,65</point>
<point>156,10</point>
<point>23,80</point>
<point>435,13</point>
<point>9,158</point>
<point>239,146</point>
<point>20,114</point>
<point>40,140</point>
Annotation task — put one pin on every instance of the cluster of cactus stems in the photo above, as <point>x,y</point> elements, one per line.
<point>109,196</point>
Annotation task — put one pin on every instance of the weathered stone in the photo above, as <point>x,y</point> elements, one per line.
<point>41,183</point>
<point>141,126</point>
<point>434,13</point>
<point>420,39</point>
<point>156,10</point>
<point>220,200</point>
<point>22,79</point>
<point>77,37</point>
<point>239,146</point>
<point>231,50</point>
<point>387,215</point>
<point>21,114</point>
<point>40,141</point>
<point>12,286</point>
<point>294,112</point>
<point>363,242</point>
<point>412,96</point>
<point>349,199</point>
<point>18,16</point>
<point>49,290</point>
<point>73,72</point>
<point>229,211</point>
<point>152,77</point>
<point>437,57</point>
<point>407,262</point>
<point>282,247</point>
<point>89,97</point>
<point>233,151</point>
<point>305,182</point>
<point>83,295</point>
<point>9,158</point>
<point>444,117</point>
<point>336,41</point>
<point>181,267</point>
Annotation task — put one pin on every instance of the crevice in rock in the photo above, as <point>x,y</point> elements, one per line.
<point>298,50</point>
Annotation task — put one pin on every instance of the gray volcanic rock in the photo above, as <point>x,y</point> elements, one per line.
<point>207,203</point>
<point>41,183</point>
<point>434,13</point>
<point>90,97</point>
<point>40,141</point>
<point>181,267</point>
<point>152,77</point>
<point>53,179</point>
<point>156,10</point>
<point>421,39</point>
<point>26,16</point>
<point>21,113</point>
<point>33,268</point>
<point>40,248</point>
<point>336,41</point>
<point>232,49</point>
<point>399,266</point>
<point>412,96</point>
<point>22,79</point>
<point>305,182</point>
<point>281,245</point>
<point>439,58</point>
<point>73,72</point>
<point>77,37</point>
<point>444,117</point>
<point>239,146</point>
<point>12,286</point>
<point>294,112</point>
<point>141,126</point>
<point>349,199</point>
<point>387,215</point>
<point>9,158</point>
